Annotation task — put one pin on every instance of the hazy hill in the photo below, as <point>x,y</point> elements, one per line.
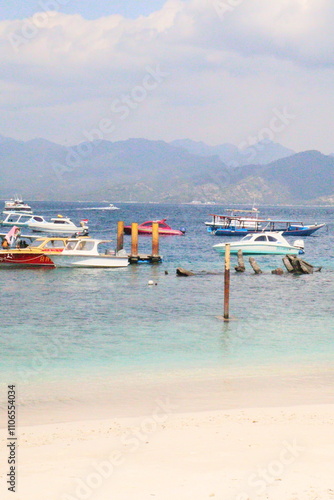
<point>260,153</point>
<point>144,170</point>
<point>301,177</point>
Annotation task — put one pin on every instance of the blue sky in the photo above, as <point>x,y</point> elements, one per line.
<point>218,71</point>
<point>19,9</point>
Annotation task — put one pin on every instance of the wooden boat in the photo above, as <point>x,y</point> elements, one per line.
<point>266,243</point>
<point>164,228</point>
<point>240,225</point>
<point>38,254</point>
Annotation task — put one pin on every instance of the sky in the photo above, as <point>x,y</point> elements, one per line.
<point>217,71</point>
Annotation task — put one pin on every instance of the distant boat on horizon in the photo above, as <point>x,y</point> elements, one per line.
<point>16,204</point>
<point>109,207</point>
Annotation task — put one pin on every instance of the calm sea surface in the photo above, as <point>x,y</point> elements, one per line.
<point>67,323</point>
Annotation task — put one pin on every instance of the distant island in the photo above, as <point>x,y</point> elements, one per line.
<point>183,171</point>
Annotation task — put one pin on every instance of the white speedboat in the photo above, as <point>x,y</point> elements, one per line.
<point>57,225</point>
<point>84,252</point>
<point>37,223</point>
<point>267,243</point>
<point>110,207</point>
<point>16,204</point>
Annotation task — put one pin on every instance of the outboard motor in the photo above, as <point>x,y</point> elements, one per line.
<point>183,230</point>
<point>299,244</point>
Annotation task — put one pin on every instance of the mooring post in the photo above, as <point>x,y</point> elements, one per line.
<point>227,281</point>
<point>120,236</point>
<point>155,242</point>
<point>240,268</point>
<point>254,265</point>
<point>134,242</point>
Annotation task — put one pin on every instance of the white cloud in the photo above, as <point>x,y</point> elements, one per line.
<point>220,55</point>
<point>297,30</point>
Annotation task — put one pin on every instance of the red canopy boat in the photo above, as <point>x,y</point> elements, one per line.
<point>146,228</point>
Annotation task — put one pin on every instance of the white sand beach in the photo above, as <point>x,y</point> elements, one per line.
<point>251,437</point>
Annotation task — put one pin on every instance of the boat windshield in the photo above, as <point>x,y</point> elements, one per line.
<point>85,246</point>
<point>36,243</point>
<point>49,244</point>
<point>15,218</point>
<point>55,244</point>
<point>81,246</point>
<point>261,238</point>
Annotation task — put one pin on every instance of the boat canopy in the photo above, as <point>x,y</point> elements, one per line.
<point>257,219</point>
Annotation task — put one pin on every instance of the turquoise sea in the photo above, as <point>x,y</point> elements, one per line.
<point>65,324</point>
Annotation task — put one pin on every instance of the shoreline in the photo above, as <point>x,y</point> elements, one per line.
<point>260,435</point>
<point>133,393</point>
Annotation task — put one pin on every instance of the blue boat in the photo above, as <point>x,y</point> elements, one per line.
<point>239,225</point>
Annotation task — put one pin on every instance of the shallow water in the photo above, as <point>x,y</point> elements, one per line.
<point>66,323</point>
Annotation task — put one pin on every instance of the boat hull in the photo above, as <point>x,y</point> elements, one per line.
<point>54,230</point>
<point>25,259</point>
<point>162,231</point>
<point>22,210</point>
<point>11,224</point>
<point>302,231</point>
<point>102,261</point>
<point>258,249</point>
<point>229,232</point>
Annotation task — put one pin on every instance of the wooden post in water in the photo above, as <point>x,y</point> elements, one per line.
<point>155,242</point>
<point>120,235</point>
<point>254,265</point>
<point>240,268</point>
<point>227,281</point>
<point>134,242</point>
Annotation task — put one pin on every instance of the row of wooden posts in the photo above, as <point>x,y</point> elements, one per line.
<point>134,256</point>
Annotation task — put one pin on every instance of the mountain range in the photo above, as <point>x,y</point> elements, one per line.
<point>180,171</point>
<point>261,153</point>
